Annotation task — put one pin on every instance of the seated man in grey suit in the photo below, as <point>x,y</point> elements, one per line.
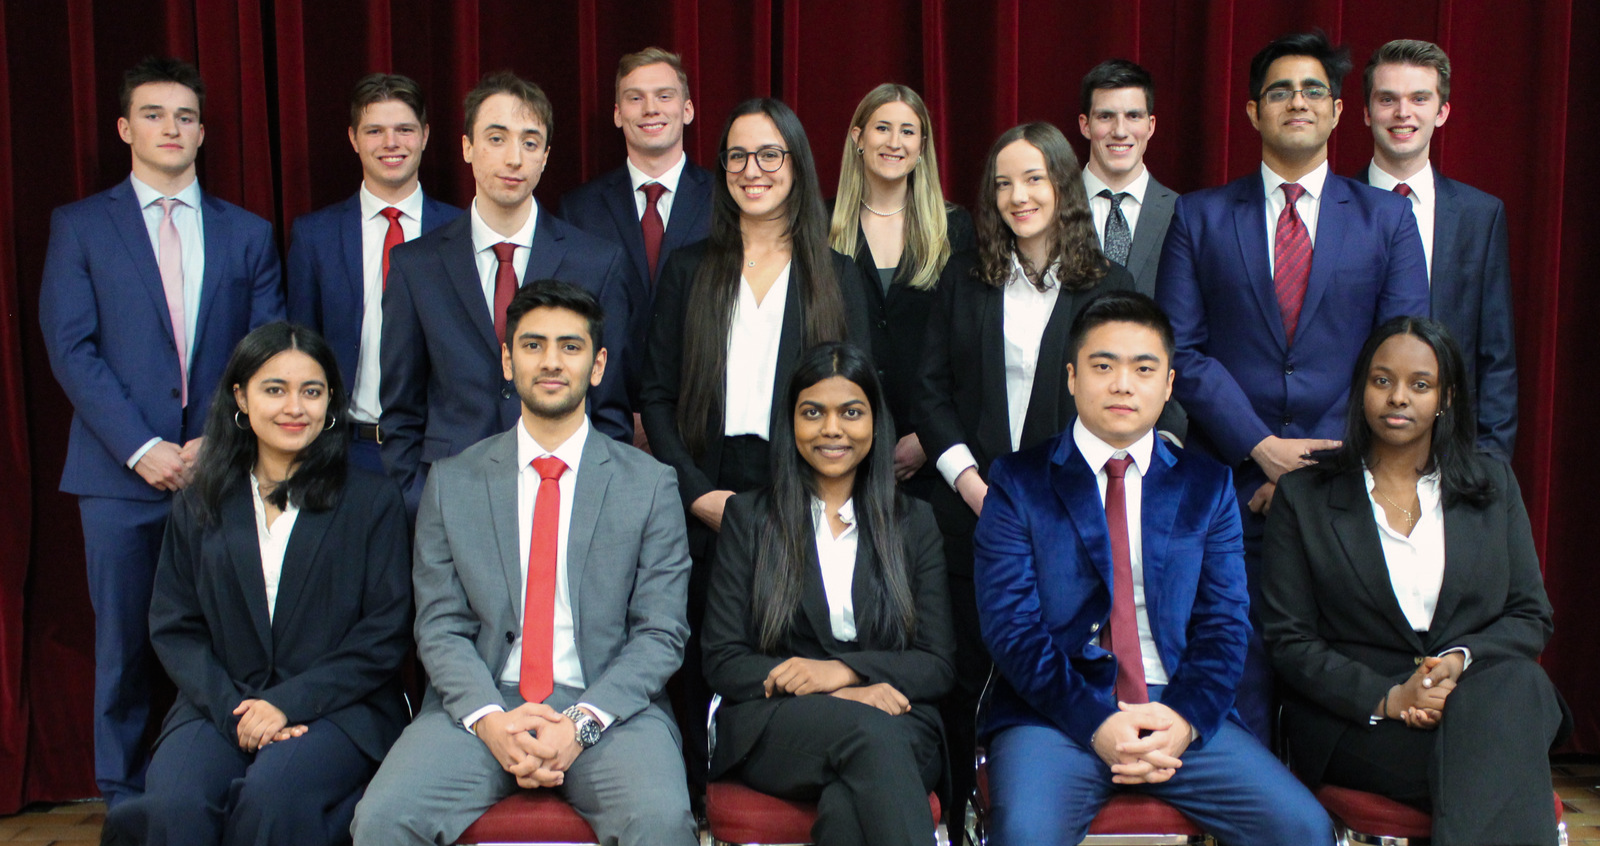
<point>550,570</point>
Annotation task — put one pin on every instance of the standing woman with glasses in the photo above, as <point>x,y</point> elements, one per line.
<point>733,314</point>
<point>891,216</point>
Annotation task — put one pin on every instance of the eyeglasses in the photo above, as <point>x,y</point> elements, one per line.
<point>1312,93</point>
<point>769,159</point>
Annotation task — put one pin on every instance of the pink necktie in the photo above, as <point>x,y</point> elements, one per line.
<point>171,262</point>
<point>1122,636</point>
<point>1292,259</point>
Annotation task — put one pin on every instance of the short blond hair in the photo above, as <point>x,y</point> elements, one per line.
<point>651,56</point>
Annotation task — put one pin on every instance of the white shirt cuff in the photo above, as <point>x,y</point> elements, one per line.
<point>471,722</point>
<point>954,462</point>
<point>1466,655</point>
<point>142,450</point>
<point>606,718</point>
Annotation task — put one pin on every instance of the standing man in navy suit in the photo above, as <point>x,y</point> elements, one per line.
<point>339,254</point>
<point>1407,89</point>
<point>147,287</point>
<point>658,200</point>
<point>440,380</point>
<point>1273,282</point>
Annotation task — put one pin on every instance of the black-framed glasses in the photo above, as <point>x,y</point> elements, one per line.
<point>1312,93</point>
<point>769,159</point>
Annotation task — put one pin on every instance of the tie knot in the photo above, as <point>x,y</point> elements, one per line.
<point>504,250</point>
<point>550,468</point>
<point>1117,468</point>
<point>167,204</point>
<point>653,191</point>
<point>390,212</point>
<point>1403,189</point>
<point>1292,192</point>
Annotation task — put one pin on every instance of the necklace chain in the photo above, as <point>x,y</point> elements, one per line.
<point>882,214</point>
<point>1411,520</point>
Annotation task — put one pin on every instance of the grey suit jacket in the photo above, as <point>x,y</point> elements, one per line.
<point>627,576</point>
<point>1144,257</point>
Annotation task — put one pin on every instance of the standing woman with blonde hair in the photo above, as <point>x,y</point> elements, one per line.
<point>891,216</point>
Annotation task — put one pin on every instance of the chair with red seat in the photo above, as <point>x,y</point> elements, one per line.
<point>1368,818</point>
<point>527,818</point>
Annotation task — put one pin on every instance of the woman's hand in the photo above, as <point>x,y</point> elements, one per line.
<point>908,457</point>
<point>259,723</point>
<point>882,696</point>
<point>800,676</point>
<point>709,508</point>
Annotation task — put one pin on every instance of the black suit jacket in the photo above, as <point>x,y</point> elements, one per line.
<point>1470,293</point>
<point>1144,257</point>
<point>341,627</point>
<point>735,666</point>
<point>1332,626</point>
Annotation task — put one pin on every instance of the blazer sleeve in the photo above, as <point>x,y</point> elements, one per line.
<point>925,671</point>
<point>1524,624</point>
<point>938,424</point>
<point>734,666</point>
<point>300,278</point>
<point>611,413</point>
<point>178,630</point>
<point>1405,288</point>
<point>266,275</point>
<point>370,653</point>
<point>404,371</point>
<point>659,389</point>
<point>1497,349</point>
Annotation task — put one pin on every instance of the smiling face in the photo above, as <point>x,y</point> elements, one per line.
<point>1024,194</point>
<point>833,427</point>
<point>163,129</point>
<point>507,152</point>
<point>1402,397</point>
<point>390,140</point>
<point>652,109</point>
<point>891,142</point>
<point>1118,126</point>
<point>286,401</point>
<point>1120,381</point>
<point>759,195</point>
<point>1404,110</point>
<point>553,363</point>
<point>1296,129</point>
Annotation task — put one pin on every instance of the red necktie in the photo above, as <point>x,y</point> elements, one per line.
<point>539,600</point>
<point>505,285</point>
<point>1122,637</point>
<point>651,223</point>
<point>395,235</point>
<point>1403,190</point>
<point>1291,251</point>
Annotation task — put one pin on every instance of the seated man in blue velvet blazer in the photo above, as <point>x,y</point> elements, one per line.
<point>1111,592</point>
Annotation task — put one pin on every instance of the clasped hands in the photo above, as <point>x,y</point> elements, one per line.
<point>801,676</point>
<point>1420,699</point>
<point>167,466</point>
<point>1148,759</point>
<point>534,742</point>
<point>261,724</point>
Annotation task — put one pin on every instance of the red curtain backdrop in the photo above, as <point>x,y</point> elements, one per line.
<point>278,72</point>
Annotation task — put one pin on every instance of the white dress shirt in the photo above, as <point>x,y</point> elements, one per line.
<point>1310,202</point>
<point>1100,207</point>
<point>837,558</point>
<point>1424,201</point>
<point>188,219</point>
<point>483,241</point>
<point>1025,311</point>
<point>364,404</point>
<point>753,335</point>
<point>273,539</point>
<point>668,180</point>
<point>1416,562</point>
<point>1097,452</point>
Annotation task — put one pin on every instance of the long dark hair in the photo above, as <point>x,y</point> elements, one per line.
<point>1073,240</point>
<point>888,618</point>
<point>1463,475</point>
<point>229,452</point>
<point>715,289</point>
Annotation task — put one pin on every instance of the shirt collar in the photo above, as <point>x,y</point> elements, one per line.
<point>1136,189</point>
<point>1421,183</point>
<point>1312,181</point>
<point>847,512</point>
<point>669,179</point>
<point>484,238</point>
<point>1428,490</point>
<point>371,205</point>
<point>261,505</point>
<point>1097,452</point>
<point>189,195</point>
<point>570,452</point>
<point>1018,275</point>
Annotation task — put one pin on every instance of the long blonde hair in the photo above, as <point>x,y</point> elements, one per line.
<point>927,241</point>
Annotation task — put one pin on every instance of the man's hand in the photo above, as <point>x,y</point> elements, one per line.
<point>709,508</point>
<point>1278,456</point>
<point>972,489</point>
<point>509,745</point>
<point>1122,728</point>
<point>163,467</point>
<point>259,723</point>
<point>882,696</point>
<point>1158,752</point>
<point>553,731</point>
<point>908,457</point>
<point>1261,501</point>
<point>800,676</point>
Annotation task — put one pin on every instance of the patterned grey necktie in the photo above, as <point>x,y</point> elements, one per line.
<point>1118,239</point>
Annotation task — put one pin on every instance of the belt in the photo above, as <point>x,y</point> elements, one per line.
<point>366,431</point>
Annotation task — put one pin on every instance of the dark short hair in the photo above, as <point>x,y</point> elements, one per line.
<point>506,82</point>
<point>1119,307</point>
<point>1117,73</point>
<point>161,69</point>
<point>1335,60</point>
<point>553,293</point>
<point>651,56</point>
<point>1408,51</point>
<point>381,87</point>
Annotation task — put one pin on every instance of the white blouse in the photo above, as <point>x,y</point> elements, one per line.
<point>274,542</point>
<point>1416,562</point>
<point>754,333</point>
<point>837,558</point>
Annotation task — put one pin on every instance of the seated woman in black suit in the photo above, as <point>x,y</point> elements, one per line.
<point>891,215</point>
<point>282,611</point>
<point>1404,610</point>
<point>827,628</point>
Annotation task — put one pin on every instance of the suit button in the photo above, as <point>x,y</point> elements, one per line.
<point>1288,370</point>
<point>505,392</point>
<point>1287,420</point>
<point>176,393</point>
<point>511,637</point>
<point>1417,661</point>
<point>883,324</point>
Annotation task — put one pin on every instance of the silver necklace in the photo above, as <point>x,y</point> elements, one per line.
<point>882,214</point>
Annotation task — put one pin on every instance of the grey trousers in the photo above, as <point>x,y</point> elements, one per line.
<point>439,778</point>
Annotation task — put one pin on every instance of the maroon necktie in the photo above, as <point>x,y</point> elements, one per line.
<point>536,681</point>
<point>505,285</point>
<point>391,238</point>
<point>1403,190</point>
<point>1122,637</point>
<point>1291,252</point>
<point>651,223</point>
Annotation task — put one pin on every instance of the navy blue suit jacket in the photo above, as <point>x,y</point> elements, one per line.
<point>109,334</point>
<point>441,382</point>
<point>1043,574</point>
<point>1238,377</point>
<point>326,285</point>
<point>1471,296</point>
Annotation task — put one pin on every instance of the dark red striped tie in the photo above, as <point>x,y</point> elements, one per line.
<point>1291,252</point>
<point>1122,637</point>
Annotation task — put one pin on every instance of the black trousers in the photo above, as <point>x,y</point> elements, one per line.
<point>868,772</point>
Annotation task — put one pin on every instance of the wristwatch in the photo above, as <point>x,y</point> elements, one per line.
<point>588,727</point>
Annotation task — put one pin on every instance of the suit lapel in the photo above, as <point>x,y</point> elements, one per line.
<point>791,342</point>
<point>433,215</point>
<point>1463,526</point>
<point>350,242</point>
<point>1249,223</point>
<point>501,484</point>
<point>1045,396</point>
<point>544,259</point>
<point>994,421</point>
<point>814,600</point>
<point>1446,225</point>
<point>129,219</point>
<point>244,552</point>
<point>460,264</point>
<point>299,558</point>
<point>588,499</point>
<point>618,197</point>
<point>689,208</point>
<point>1358,536</point>
<point>1333,218</point>
<point>1161,492</point>
<point>1079,492</point>
<point>1159,203</point>
<point>217,224</point>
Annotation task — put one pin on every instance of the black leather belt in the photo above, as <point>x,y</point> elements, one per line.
<point>366,431</point>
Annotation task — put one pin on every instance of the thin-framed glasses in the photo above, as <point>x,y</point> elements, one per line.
<point>1312,93</point>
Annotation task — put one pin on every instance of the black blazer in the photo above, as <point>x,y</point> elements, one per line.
<point>1332,626</point>
<point>735,666</point>
<point>341,627</point>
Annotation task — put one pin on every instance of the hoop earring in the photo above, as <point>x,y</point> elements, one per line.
<point>237,423</point>
<point>861,151</point>
<point>333,420</point>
